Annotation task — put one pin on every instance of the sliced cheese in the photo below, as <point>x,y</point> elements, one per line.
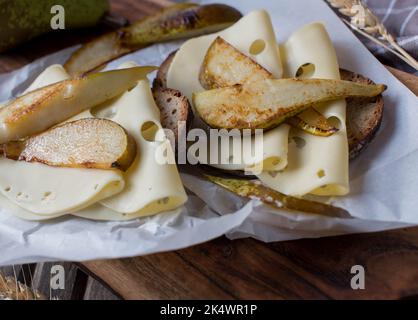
<point>13,209</point>
<point>272,155</point>
<point>53,74</point>
<point>317,165</point>
<point>254,36</point>
<point>151,187</point>
<point>48,191</point>
<point>255,27</point>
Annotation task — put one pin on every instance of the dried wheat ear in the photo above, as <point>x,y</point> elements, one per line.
<point>361,19</point>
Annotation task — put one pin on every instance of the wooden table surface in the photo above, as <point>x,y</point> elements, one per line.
<point>248,269</point>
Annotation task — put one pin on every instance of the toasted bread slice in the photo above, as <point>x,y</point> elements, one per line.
<point>161,78</point>
<point>174,107</point>
<point>225,66</point>
<point>175,110</point>
<point>86,143</point>
<point>364,116</point>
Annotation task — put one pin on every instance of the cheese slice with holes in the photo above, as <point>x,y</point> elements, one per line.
<point>151,186</point>
<point>317,165</point>
<point>183,73</point>
<point>50,191</point>
<point>17,211</point>
<point>270,151</point>
<point>254,29</point>
<point>50,75</point>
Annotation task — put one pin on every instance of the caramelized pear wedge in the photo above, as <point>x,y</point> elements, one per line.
<point>86,143</point>
<point>268,103</point>
<point>313,122</point>
<point>41,109</point>
<point>254,190</point>
<point>225,66</point>
<point>94,55</point>
<point>179,21</point>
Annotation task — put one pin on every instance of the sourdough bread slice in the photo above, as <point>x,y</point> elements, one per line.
<point>174,107</point>
<point>364,116</point>
<point>161,78</point>
<point>174,110</point>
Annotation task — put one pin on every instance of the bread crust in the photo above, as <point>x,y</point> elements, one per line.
<point>364,116</point>
<point>174,107</point>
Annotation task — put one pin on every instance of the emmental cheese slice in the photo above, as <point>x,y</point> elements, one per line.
<point>46,190</point>
<point>317,165</point>
<point>254,36</point>
<point>151,186</point>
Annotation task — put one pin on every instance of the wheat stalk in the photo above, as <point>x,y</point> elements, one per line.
<point>364,21</point>
<point>11,289</point>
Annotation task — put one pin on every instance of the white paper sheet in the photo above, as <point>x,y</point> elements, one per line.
<point>384,179</point>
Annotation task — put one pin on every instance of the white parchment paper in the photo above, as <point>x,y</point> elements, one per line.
<point>384,179</point>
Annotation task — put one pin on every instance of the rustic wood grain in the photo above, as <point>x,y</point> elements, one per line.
<point>97,291</point>
<point>75,281</point>
<point>241,269</point>
<point>249,269</point>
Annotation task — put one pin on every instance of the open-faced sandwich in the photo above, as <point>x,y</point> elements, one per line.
<point>98,163</point>
<point>91,144</point>
<point>240,78</point>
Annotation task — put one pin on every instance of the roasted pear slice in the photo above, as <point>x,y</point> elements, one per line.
<point>86,143</point>
<point>313,122</point>
<point>250,189</point>
<point>179,21</point>
<point>266,104</point>
<point>225,66</point>
<point>39,110</point>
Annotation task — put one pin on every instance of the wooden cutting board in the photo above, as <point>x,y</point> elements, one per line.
<point>249,269</point>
